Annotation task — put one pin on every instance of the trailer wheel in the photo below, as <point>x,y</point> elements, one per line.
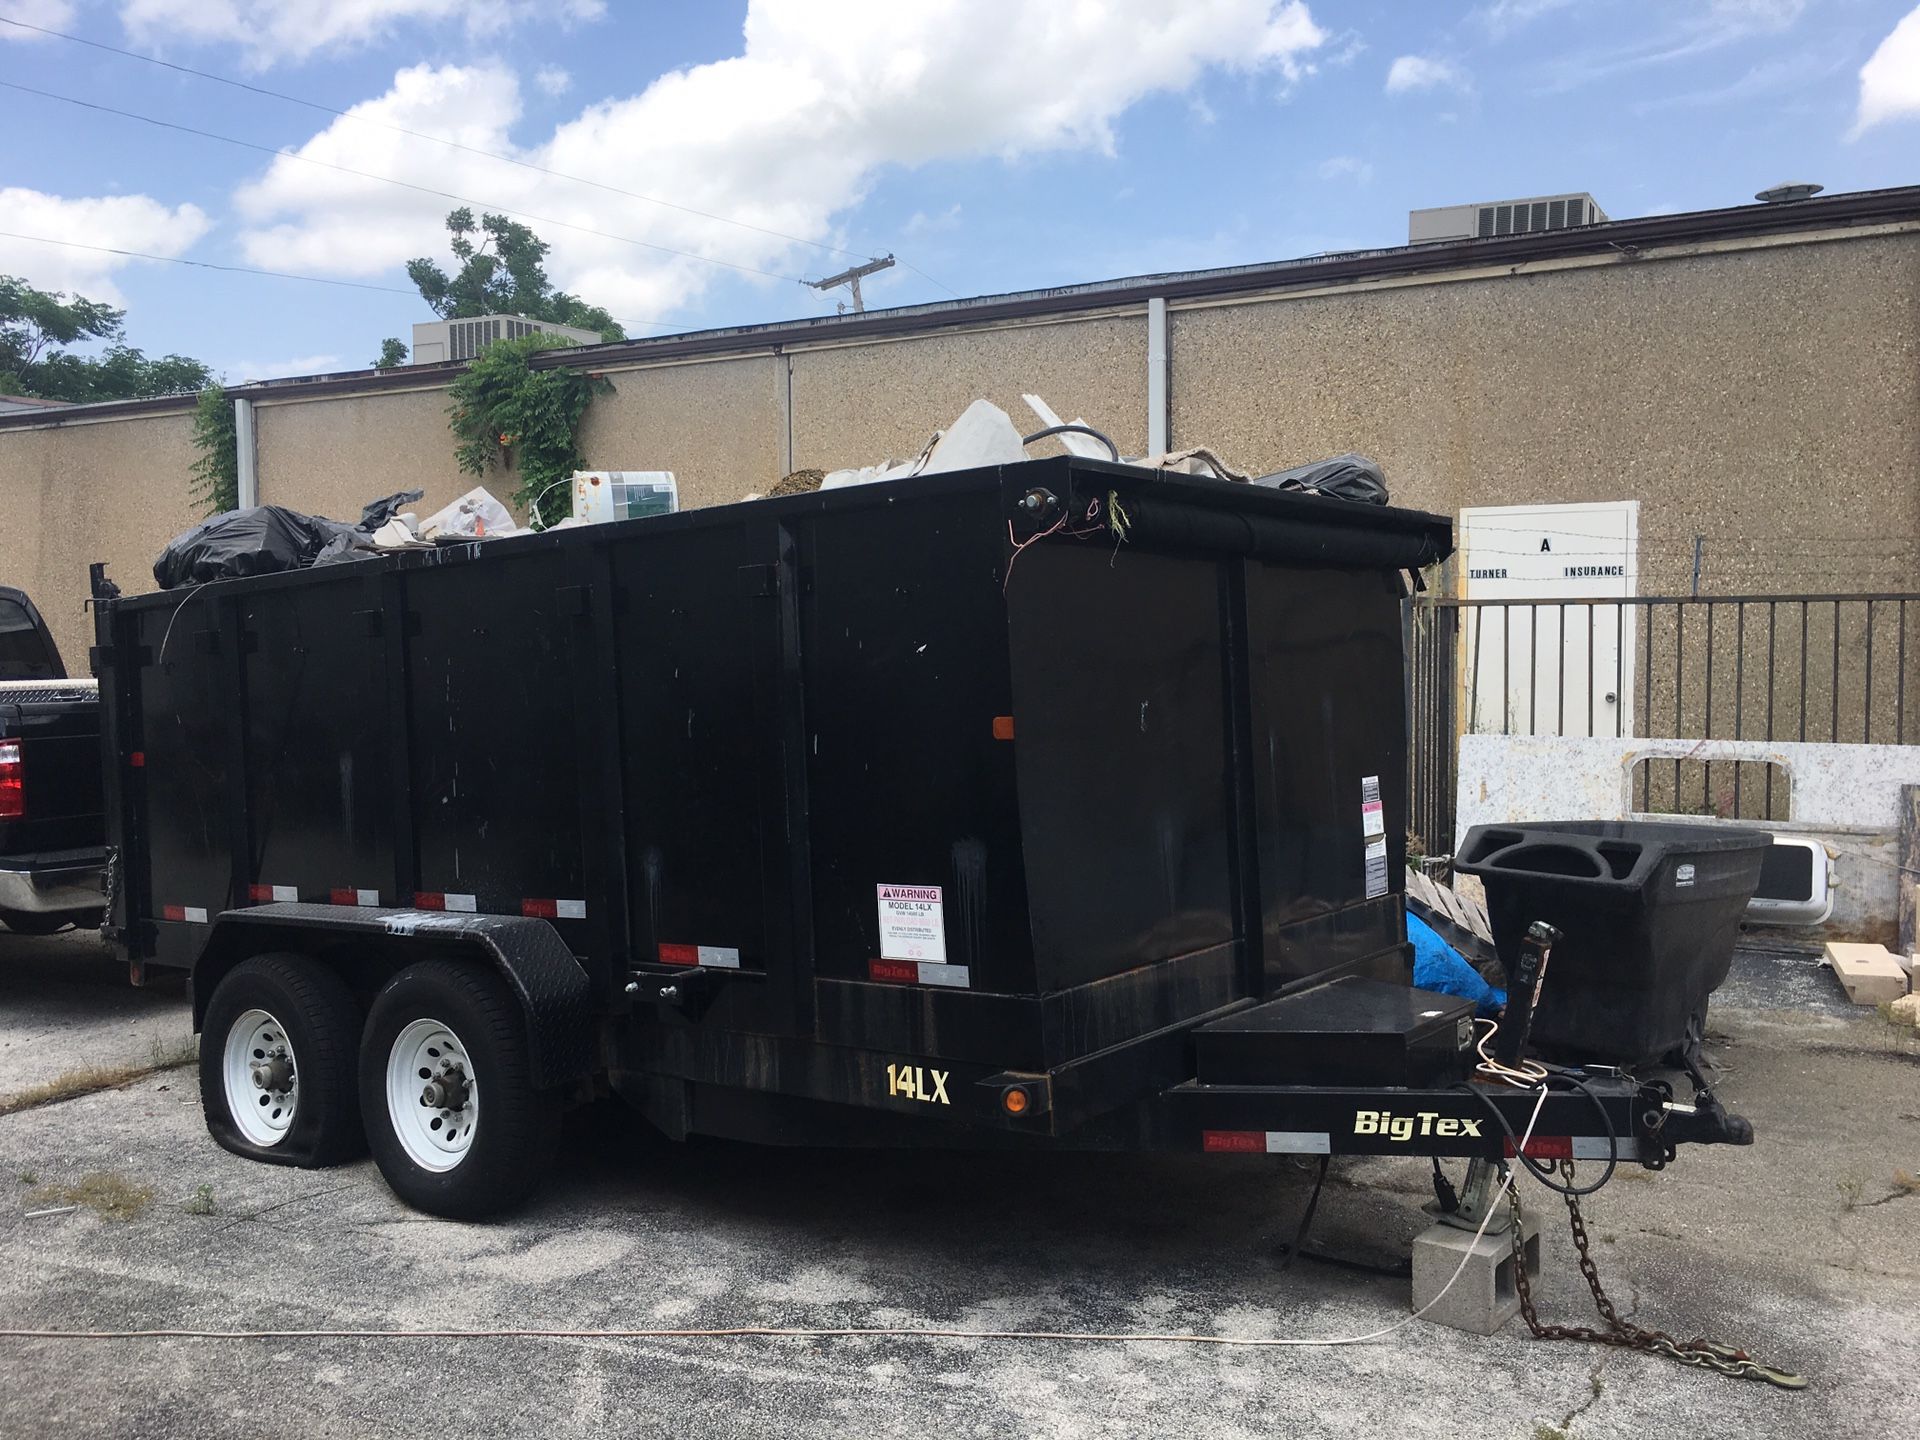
<point>454,1120</point>
<point>276,1063</point>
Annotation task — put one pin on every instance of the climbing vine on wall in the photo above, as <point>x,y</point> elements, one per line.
<point>506,413</point>
<point>214,478</point>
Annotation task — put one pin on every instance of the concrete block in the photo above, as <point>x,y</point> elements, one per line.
<point>1483,1298</point>
<point>1869,973</point>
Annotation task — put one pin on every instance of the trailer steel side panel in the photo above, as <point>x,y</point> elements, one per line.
<point>1024,771</point>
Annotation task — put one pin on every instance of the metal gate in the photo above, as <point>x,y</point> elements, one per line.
<point>1830,668</point>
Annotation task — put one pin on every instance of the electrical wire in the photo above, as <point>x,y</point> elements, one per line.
<point>1526,1075</point>
<point>325,109</point>
<point>209,265</point>
<point>845,1332</point>
<point>504,159</point>
<point>391,180</point>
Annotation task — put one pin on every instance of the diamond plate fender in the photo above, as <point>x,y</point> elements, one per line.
<point>553,988</point>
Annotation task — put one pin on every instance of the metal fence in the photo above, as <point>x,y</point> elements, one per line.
<point>1827,668</point>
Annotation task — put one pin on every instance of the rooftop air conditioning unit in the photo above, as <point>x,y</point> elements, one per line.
<point>439,340</point>
<point>1503,217</point>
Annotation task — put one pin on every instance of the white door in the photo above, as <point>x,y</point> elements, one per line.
<point>1558,658</point>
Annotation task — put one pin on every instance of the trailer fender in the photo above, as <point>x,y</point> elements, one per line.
<point>554,990</point>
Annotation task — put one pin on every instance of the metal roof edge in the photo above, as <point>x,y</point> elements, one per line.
<point>1861,207</point>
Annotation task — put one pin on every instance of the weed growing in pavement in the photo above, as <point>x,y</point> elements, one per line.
<point>1850,1186</point>
<point>70,1084</point>
<point>29,1177</point>
<point>201,1202</point>
<point>113,1197</point>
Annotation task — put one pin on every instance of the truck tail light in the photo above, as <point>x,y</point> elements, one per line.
<point>13,789</point>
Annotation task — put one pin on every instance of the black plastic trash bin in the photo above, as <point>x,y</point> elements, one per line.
<point>1649,912</point>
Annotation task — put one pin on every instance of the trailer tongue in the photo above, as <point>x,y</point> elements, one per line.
<point>1050,804</point>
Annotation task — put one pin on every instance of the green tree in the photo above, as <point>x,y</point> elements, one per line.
<point>37,325</point>
<point>501,271</point>
<point>505,412</point>
<point>215,482</point>
<point>393,354</point>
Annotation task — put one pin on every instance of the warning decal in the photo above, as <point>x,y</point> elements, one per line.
<point>1373,819</point>
<point>912,923</point>
<point>1376,868</point>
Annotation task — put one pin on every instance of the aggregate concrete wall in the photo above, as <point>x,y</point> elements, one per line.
<point>858,404</point>
<point>719,425</point>
<point>330,456</point>
<point>112,490</point>
<point>1762,392</point>
<point>1768,391</point>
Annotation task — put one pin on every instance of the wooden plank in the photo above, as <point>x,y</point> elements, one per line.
<point>1908,895</point>
<point>1869,973</point>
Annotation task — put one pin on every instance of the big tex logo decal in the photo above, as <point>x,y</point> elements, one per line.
<point>1404,1127</point>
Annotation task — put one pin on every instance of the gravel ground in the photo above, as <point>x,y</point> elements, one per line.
<point>1800,1248</point>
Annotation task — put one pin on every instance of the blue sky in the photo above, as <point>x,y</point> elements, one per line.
<point>991,144</point>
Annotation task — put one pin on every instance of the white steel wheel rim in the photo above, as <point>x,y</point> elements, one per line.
<point>432,1098</point>
<point>261,1077</point>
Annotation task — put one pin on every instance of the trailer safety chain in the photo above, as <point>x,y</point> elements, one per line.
<point>1726,1359</point>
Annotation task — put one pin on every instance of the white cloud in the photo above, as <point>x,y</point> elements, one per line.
<point>552,80</point>
<point>270,31</point>
<point>1688,28</point>
<point>787,135</point>
<point>122,222</point>
<point>1424,72</point>
<point>1347,167</point>
<point>48,14</point>
<point>1501,18</point>
<point>921,223</point>
<point>1890,80</point>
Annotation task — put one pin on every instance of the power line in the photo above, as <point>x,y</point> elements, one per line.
<point>326,109</point>
<point>204,264</point>
<point>390,180</point>
<point>250,270</point>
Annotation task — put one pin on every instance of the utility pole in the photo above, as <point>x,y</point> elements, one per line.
<point>851,279</point>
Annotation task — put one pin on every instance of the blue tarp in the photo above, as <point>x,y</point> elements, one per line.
<point>1438,966</point>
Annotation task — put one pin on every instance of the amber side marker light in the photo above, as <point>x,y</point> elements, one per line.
<point>1003,727</point>
<point>1015,1100</point>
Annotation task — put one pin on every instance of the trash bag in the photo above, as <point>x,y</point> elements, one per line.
<point>1439,967</point>
<point>1344,477</point>
<point>475,514</point>
<point>379,512</point>
<point>255,541</point>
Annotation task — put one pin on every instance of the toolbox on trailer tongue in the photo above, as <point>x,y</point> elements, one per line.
<point>1048,803</point>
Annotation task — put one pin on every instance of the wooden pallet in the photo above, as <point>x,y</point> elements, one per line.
<point>1459,919</point>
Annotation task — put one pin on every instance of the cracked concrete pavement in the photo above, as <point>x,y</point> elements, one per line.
<point>1800,1248</point>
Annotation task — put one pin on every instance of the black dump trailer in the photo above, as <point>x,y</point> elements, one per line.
<point>1049,804</point>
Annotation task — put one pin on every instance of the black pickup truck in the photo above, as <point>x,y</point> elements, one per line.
<point>52,840</point>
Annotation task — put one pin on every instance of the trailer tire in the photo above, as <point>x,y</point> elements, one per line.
<point>290,1012</point>
<point>453,1117</point>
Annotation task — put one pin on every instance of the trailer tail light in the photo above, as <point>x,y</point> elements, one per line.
<point>13,788</point>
